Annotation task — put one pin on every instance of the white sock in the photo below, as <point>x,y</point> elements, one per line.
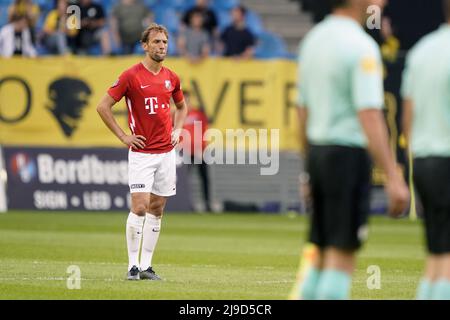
<point>152,227</point>
<point>134,236</point>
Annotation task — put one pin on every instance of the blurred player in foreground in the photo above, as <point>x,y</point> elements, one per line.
<point>341,97</point>
<point>426,93</point>
<point>147,87</point>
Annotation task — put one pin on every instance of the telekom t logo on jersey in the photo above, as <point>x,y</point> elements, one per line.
<point>152,104</point>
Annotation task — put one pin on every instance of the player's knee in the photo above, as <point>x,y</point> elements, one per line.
<point>156,210</point>
<point>139,208</point>
<point>157,207</point>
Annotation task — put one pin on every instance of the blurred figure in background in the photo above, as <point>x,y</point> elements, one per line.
<point>193,42</point>
<point>129,19</point>
<point>209,21</point>
<point>196,145</point>
<point>57,37</point>
<point>28,9</point>
<point>237,40</point>
<point>92,32</point>
<point>15,38</point>
<point>426,123</point>
<point>340,114</point>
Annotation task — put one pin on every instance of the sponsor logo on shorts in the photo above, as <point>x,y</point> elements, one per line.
<point>137,186</point>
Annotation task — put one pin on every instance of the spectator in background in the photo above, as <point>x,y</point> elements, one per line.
<point>15,38</point>
<point>28,9</point>
<point>129,19</point>
<point>57,37</point>
<point>193,42</point>
<point>209,23</point>
<point>237,40</point>
<point>196,145</point>
<point>92,30</point>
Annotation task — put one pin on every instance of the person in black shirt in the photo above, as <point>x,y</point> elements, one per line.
<point>237,39</point>
<point>92,28</point>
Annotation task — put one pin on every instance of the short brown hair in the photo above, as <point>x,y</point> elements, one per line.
<point>153,27</point>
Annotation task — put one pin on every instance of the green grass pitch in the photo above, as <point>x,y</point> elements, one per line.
<point>225,256</point>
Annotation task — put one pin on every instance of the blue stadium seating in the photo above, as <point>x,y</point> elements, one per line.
<point>270,45</point>
<point>254,22</point>
<point>3,15</point>
<point>224,4</point>
<point>169,18</point>
<point>177,5</point>
<point>169,13</point>
<point>45,5</point>
<point>149,3</point>
<point>223,19</point>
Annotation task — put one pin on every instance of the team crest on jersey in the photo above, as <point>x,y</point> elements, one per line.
<point>168,84</point>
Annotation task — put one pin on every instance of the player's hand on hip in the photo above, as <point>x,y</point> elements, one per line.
<point>175,138</point>
<point>398,195</point>
<point>135,141</point>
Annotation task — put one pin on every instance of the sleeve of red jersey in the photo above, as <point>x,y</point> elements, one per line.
<point>119,88</point>
<point>177,93</point>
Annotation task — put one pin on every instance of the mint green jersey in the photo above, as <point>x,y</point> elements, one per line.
<point>426,82</point>
<point>340,73</point>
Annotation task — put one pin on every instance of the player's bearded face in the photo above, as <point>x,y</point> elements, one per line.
<point>156,46</point>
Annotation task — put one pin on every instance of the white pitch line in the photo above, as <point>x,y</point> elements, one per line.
<point>123,280</point>
<point>81,263</point>
<point>60,279</point>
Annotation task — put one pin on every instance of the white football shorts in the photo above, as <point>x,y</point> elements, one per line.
<point>151,172</point>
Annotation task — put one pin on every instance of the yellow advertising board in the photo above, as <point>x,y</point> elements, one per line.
<point>51,101</point>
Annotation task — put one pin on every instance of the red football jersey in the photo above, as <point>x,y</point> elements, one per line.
<point>147,96</point>
<point>196,143</point>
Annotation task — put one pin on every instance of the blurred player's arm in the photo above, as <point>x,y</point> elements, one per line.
<point>104,109</point>
<point>406,92</point>
<point>302,112</point>
<point>407,119</point>
<point>304,183</point>
<point>374,126</point>
<point>179,117</point>
<point>368,96</point>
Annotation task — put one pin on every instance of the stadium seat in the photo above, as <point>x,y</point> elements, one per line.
<point>172,50</point>
<point>224,4</point>
<point>3,15</point>
<point>223,19</point>
<point>45,5</point>
<point>270,46</point>
<point>150,3</point>
<point>254,22</point>
<point>95,50</point>
<point>168,17</point>
<point>176,5</point>
<point>187,5</point>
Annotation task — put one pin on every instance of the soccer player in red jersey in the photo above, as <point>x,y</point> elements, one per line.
<point>147,87</point>
<point>195,146</point>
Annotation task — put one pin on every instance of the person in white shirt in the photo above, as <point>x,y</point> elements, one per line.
<point>15,38</point>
